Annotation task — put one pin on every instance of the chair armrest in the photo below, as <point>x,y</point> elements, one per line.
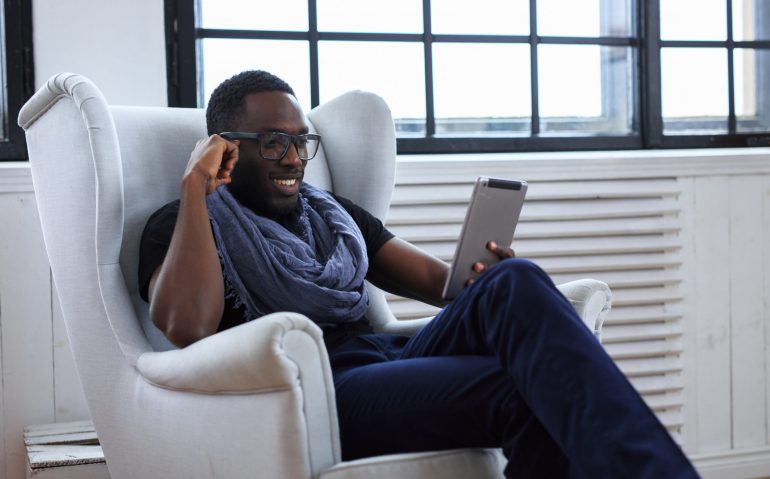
<point>592,300</point>
<point>405,327</point>
<point>255,356</point>
<point>281,355</point>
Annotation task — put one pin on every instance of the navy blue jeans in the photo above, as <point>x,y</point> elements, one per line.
<point>507,364</point>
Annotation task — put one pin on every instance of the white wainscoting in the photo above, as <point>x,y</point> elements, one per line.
<point>681,236</point>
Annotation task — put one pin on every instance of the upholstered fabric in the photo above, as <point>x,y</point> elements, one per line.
<point>254,401</point>
<point>452,464</point>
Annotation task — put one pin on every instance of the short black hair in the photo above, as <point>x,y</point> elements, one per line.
<point>227,101</point>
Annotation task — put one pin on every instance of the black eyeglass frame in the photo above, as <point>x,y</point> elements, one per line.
<point>293,139</point>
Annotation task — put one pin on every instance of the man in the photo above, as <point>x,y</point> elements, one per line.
<point>506,364</point>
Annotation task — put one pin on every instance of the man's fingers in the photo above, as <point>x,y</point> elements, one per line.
<point>501,251</point>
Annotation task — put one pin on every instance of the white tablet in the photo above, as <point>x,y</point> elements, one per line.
<point>491,216</point>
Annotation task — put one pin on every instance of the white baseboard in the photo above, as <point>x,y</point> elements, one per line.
<point>742,464</point>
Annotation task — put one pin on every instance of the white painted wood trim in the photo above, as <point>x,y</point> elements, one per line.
<point>14,176</point>
<point>747,463</point>
<point>580,165</point>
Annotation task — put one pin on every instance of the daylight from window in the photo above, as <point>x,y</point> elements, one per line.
<point>480,83</point>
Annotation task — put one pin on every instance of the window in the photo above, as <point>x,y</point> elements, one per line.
<point>16,69</point>
<point>500,75</point>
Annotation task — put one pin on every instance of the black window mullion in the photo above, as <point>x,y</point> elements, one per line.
<point>430,114</point>
<point>181,46</point>
<point>533,69</point>
<point>651,118</point>
<point>312,21</point>
<point>18,77</point>
<point>731,121</point>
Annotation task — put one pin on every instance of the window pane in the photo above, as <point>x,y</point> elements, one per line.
<point>468,101</point>
<point>693,19</point>
<point>254,14</point>
<point>751,20</point>
<point>374,16</point>
<point>584,18</point>
<point>488,17</point>
<point>585,89</point>
<point>694,89</point>
<point>223,58</point>
<point>752,89</point>
<point>393,70</point>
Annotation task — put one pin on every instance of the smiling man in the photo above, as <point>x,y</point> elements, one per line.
<point>508,363</point>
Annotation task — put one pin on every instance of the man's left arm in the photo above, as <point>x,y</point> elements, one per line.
<point>402,268</point>
<point>406,270</point>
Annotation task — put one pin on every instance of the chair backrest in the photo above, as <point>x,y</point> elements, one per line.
<point>100,171</point>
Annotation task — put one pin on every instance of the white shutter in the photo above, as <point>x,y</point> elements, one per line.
<point>623,232</point>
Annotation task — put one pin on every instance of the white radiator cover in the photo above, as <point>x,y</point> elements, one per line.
<point>682,237</point>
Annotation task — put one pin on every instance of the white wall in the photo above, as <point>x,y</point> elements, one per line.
<point>118,44</point>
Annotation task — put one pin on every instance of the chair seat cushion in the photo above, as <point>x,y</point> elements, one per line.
<point>451,464</point>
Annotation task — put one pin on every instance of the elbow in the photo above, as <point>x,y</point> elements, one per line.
<point>183,336</point>
<point>179,329</point>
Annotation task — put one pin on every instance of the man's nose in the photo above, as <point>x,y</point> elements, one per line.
<point>291,158</point>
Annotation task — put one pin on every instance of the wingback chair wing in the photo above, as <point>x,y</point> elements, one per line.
<point>253,401</point>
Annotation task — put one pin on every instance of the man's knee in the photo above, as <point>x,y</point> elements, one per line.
<point>515,269</point>
<point>518,277</point>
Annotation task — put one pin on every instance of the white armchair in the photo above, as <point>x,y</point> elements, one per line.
<point>253,401</point>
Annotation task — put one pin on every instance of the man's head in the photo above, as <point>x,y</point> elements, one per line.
<point>226,104</point>
<point>259,102</point>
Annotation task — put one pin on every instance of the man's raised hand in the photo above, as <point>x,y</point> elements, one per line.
<point>212,161</point>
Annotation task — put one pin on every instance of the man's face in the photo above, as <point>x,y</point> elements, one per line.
<point>269,187</point>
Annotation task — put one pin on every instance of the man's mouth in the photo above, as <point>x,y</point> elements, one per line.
<point>287,186</point>
<point>289,182</point>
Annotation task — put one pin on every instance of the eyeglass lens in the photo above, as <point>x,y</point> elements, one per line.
<point>275,145</point>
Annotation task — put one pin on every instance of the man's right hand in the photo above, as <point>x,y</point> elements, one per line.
<point>212,161</point>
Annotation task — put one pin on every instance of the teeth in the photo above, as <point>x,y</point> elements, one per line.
<point>286,182</point>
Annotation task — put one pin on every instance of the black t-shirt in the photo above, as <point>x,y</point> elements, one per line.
<point>157,237</point>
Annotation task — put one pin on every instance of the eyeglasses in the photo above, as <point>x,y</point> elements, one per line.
<point>274,145</point>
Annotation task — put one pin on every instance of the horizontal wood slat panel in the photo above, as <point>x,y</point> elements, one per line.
<point>636,332</point>
<point>595,209</point>
<point>437,193</point>
<point>538,211</point>
<point>649,366</point>
<point>543,248</point>
<point>628,279</point>
<point>540,230</point>
<point>664,401</point>
<point>644,349</point>
<point>642,296</point>
<point>609,262</point>
<point>657,384</point>
<point>644,314</point>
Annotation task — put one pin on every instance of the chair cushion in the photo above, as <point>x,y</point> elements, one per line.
<point>451,464</point>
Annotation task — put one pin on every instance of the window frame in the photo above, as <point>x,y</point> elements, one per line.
<point>18,75</point>
<point>183,54</point>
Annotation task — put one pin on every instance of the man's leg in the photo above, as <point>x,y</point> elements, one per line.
<point>447,402</point>
<point>514,313</point>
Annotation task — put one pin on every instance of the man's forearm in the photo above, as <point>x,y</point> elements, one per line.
<point>187,297</point>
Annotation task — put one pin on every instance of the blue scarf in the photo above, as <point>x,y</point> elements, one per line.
<point>314,265</point>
